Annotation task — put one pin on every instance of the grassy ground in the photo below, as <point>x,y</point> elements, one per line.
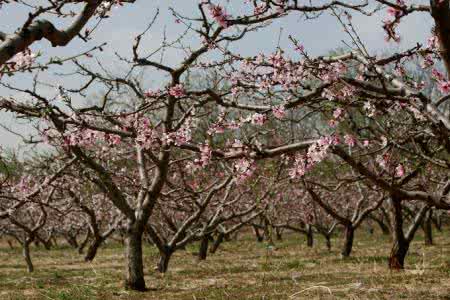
<point>241,269</point>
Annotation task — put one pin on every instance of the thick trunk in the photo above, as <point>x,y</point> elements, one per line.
<point>217,243</point>
<point>398,254</point>
<point>258,235</point>
<point>134,279</point>
<point>203,249</point>
<point>428,229</point>
<point>348,242</point>
<point>92,250</point>
<point>309,236</point>
<point>164,259</point>
<point>27,257</point>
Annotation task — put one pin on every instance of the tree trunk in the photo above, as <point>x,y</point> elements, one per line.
<point>398,254</point>
<point>164,259</point>
<point>26,255</point>
<point>268,232</point>
<point>10,244</point>
<point>203,249</point>
<point>279,234</point>
<point>328,242</point>
<point>55,241</point>
<point>428,229</point>
<point>400,244</point>
<point>84,242</point>
<point>134,279</point>
<point>72,241</point>
<point>217,243</point>
<point>309,236</point>
<point>92,250</point>
<point>258,235</point>
<point>348,242</point>
<point>437,220</point>
<point>47,244</point>
<point>383,227</point>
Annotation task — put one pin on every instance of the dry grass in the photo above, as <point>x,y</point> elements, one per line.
<point>241,269</point>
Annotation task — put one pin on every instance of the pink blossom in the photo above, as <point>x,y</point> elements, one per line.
<point>115,139</point>
<point>150,93</point>
<point>259,9</point>
<point>216,128</point>
<point>433,42</point>
<point>349,140</point>
<point>205,154</point>
<point>338,113</point>
<point>258,119</point>
<point>177,91</point>
<point>299,168</point>
<point>427,61</point>
<point>399,171</point>
<point>219,15</point>
<point>244,169</point>
<point>205,158</point>
<point>370,109</point>
<point>300,48</point>
<point>383,160</point>
<point>146,136</point>
<point>393,12</point>
<point>22,60</point>
<point>279,112</point>
<point>444,87</point>
<point>439,76</point>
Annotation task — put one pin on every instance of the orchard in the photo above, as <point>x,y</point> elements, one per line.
<point>205,134</point>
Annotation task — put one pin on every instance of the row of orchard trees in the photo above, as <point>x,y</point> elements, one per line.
<point>343,137</point>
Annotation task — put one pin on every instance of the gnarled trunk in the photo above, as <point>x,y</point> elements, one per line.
<point>348,242</point>
<point>134,279</point>
<point>398,254</point>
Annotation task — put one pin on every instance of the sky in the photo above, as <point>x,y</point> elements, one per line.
<point>318,36</point>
